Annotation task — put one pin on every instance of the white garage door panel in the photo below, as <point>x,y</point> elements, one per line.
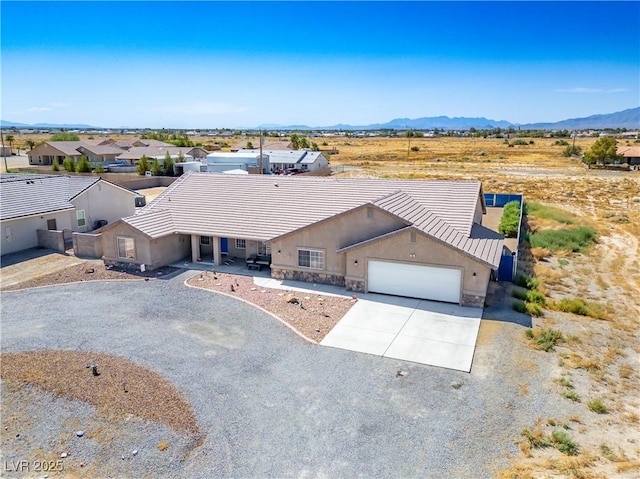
<point>426,282</point>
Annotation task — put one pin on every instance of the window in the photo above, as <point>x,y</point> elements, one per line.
<point>205,240</point>
<point>264,249</point>
<point>80,218</point>
<point>369,212</point>
<point>413,236</point>
<point>126,248</point>
<point>308,258</point>
<point>241,244</point>
<point>51,224</point>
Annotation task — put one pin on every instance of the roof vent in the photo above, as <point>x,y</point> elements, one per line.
<point>276,185</point>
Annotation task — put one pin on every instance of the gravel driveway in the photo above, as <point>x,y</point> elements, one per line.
<point>272,404</point>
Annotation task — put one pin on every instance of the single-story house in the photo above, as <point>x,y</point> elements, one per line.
<point>33,205</point>
<point>412,238</point>
<point>630,154</point>
<point>274,161</point>
<point>135,153</point>
<point>56,151</point>
<point>100,154</point>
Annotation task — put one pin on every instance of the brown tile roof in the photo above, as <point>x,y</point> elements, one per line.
<point>103,149</point>
<point>137,152</point>
<point>629,151</point>
<point>264,207</point>
<point>266,145</point>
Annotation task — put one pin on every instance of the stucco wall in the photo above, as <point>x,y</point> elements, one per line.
<point>329,236</point>
<point>103,201</point>
<point>36,156</point>
<point>152,253</point>
<point>23,231</point>
<point>424,251</point>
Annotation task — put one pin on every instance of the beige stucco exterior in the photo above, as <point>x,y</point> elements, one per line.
<point>153,253</point>
<point>329,236</point>
<point>424,251</point>
<point>102,201</point>
<point>45,154</point>
<point>21,233</point>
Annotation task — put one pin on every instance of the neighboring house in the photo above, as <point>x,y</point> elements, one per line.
<point>135,153</point>
<point>419,239</point>
<point>266,145</point>
<point>630,154</point>
<point>100,154</point>
<point>56,151</point>
<point>274,161</point>
<point>56,203</point>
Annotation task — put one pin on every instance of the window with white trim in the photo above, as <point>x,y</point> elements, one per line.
<point>81,218</point>
<point>309,258</point>
<point>241,244</point>
<point>264,249</point>
<point>126,248</point>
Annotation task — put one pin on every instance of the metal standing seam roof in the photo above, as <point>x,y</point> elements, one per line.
<point>26,195</point>
<point>263,207</point>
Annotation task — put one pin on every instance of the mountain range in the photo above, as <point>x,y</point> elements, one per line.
<point>629,119</point>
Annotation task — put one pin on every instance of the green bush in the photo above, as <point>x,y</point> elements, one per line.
<point>83,165</point>
<point>574,240</point>
<point>519,294</point>
<point>55,166</point>
<point>526,281</point>
<point>510,219</point>
<point>597,406</point>
<point>69,164</point>
<point>538,210</point>
<point>99,169</point>
<point>563,443</point>
<point>535,297</point>
<point>533,309</point>
<point>520,307</point>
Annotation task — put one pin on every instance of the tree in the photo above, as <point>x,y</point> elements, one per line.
<point>143,165</point>
<point>69,164</point>
<point>30,143</point>
<point>10,139</point>
<point>572,150</point>
<point>167,163</point>
<point>156,168</point>
<point>295,141</point>
<point>249,145</point>
<point>602,151</point>
<point>65,136</point>
<point>83,165</point>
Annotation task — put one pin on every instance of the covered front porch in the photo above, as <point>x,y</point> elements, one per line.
<point>232,252</point>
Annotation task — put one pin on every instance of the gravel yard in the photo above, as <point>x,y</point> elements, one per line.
<point>267,403</point>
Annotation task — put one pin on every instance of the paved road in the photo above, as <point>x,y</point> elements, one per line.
<point>272,404</point>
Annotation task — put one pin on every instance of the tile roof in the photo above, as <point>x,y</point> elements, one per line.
<point>263,207</point>
<point>629,151</point>
<point>103,149</point>
<point>137,152</point>
<point>26,195</point>
<point>69,148</point>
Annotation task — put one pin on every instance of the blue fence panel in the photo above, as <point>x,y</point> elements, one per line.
<point>498,200</point>
<point>505,270</point>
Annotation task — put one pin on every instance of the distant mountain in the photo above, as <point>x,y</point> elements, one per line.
<point>10,124</point>
<point>629,119</point>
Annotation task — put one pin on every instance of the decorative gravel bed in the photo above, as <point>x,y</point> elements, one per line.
<point>313,315</point>
<point>89,271</point>
<point>120,387</point>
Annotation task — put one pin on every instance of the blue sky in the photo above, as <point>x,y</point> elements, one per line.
<point>242,64</point>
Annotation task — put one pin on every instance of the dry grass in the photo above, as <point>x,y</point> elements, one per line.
<point>121,388</point>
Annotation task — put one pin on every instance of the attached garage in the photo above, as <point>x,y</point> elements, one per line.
<point>415,281</point>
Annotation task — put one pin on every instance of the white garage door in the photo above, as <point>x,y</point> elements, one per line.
<point>426,282</point>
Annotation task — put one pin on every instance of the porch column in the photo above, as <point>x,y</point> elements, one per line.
<point>195,248</point>
<point>217,251</point>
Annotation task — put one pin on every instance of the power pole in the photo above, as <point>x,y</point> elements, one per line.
<point>4,151</point>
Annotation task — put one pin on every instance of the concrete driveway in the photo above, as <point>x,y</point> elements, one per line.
<point>427,332</point>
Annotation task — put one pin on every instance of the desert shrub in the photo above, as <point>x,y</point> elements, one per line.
<point>597,406</point>
<point>519,294</point>
<point>535,297</point>
<point>415,148</point>
<point>563,443</point>
<point>519,142</point>
<point>545,338</point>
<point>510,219</point>
<point>526,281</point>
<point>574,240</point>
<point>99,169</point>
<point>533,309</point>
<point>572,305</point>
<point>571,395</point>
<point>536,438</point>
<point>538,210</point>
<point>571,150</point>
<point>55,166</point>
<point>520,307</point>
<point>561,143</point>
